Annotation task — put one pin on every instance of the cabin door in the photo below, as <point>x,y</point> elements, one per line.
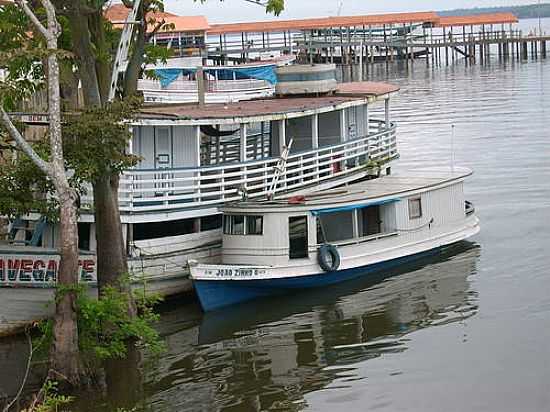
<point>163,158</point>
<point>163,148</point>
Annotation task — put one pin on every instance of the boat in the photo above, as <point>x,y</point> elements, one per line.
<point>176,81</point>
<point>326,237</point>
<point>195,159</point>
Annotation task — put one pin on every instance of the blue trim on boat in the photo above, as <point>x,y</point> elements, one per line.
<point>216,294</point>
<point>319,212</point>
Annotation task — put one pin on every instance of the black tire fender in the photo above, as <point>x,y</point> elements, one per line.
<point>328,258</point>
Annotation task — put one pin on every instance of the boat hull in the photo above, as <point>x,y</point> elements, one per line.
<point>216,294</point>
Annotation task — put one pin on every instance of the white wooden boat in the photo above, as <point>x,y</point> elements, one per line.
<point>331,236</point>
<point>169,203</point>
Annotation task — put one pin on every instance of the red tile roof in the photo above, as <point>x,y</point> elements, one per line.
<point>325,22</point>
<point>117,14</point>
<point>477,19</point>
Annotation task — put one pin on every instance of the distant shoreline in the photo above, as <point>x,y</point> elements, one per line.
<point>529,11</point>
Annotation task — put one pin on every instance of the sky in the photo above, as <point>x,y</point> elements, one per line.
<point>239,10</point>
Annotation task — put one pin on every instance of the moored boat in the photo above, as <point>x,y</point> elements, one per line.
<point>195,159</point>
<point>326,237</point>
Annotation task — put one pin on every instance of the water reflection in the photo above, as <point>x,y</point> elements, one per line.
<point>269,354</point>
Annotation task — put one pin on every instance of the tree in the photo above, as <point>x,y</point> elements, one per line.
<point>93,51</point>
<point>64,355</point>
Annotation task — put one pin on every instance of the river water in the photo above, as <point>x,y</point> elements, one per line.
<point>468,330</point>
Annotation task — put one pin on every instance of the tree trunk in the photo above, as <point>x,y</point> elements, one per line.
<point>64,354</point>
<point>112,263</point>
<point>95,75</point>
<point>82,47</point>
<point>134,65</point>
<point>102,66</point>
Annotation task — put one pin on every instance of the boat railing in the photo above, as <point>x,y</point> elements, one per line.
<point>162,190</point>
<point>212,85</point>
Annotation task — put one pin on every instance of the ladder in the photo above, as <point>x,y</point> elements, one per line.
<point>280,169</point>
<point>121,59</point>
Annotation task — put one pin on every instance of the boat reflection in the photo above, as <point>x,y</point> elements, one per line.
<point>269,354</point>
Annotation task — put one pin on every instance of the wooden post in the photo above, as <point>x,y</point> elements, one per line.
<point>282,136</point>
<point>201,89</point>
<point>244,130</point>
<point>387,112</point>
<point>343,126</point>
<point>315,131</point>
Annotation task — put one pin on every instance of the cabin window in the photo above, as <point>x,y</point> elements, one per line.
<point>147,231</point>
<point>335,227</point>
<point>369,221</point>
<point>211,223</point>
<point>254,225</point>
<point>297,237</point>
<point>84,236</point>
<point>243,225</point>
<point>415,208</point>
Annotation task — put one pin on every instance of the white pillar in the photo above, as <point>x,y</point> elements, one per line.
<point>361,62</point>
<point>244,130</point>
<point>355,223</point>
<point>387,112</point>
<point>343,126</point>
<point>367,119</point>
<point>315,131</point>
<point>282,136</point>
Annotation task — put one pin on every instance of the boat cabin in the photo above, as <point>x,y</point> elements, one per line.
<point>360,220</point>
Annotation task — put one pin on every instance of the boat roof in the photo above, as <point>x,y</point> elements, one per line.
<point>276,108</point>
<point>385,189</point>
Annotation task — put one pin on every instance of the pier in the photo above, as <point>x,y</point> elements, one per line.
<point>378,38</point>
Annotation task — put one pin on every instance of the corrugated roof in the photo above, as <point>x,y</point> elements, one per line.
<point>117,14</point>
<point>325,22</point>
<point>477,19</point>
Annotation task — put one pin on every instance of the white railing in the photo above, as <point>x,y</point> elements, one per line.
<point>217,91</point>
<point>212,86</point>
<point>190,188</point>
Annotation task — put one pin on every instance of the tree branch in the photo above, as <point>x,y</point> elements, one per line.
<point>33,18</point>
<point>23,144</point>
<point>54,29</point>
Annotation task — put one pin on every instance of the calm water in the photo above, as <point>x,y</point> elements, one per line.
<point>468,330</point>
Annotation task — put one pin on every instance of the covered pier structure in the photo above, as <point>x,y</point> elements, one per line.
<point>374,38</point>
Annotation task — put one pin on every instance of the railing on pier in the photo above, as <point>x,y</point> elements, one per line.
<point>192,188</point>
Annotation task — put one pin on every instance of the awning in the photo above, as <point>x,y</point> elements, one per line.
<point>266,73</point>
<point>319,212</point>
<point>168,76</point>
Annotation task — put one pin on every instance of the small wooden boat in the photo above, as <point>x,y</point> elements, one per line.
<point>323,238</point>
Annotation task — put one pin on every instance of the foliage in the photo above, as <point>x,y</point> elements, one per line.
<point>51,401</point>
<point>105,326</point>
<point>96,139</point>
<point>24,186</point>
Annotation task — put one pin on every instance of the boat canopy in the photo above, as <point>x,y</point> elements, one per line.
<point>169,75</point>
<point>347,208</point>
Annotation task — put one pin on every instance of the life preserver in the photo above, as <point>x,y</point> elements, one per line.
<point>328,258</point>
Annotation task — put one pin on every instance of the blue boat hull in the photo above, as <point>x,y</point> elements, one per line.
<point>216,294</point>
